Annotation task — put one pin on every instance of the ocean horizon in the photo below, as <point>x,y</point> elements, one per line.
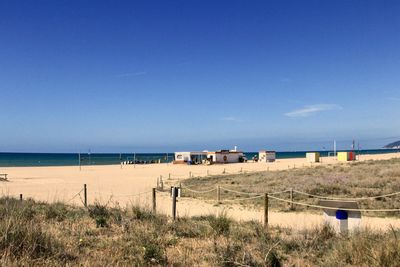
<point>27,159</point>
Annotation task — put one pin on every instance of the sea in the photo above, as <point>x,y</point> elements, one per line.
<point>75,159</point>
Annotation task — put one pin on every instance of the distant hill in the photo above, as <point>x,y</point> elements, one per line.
<point>393,145</point>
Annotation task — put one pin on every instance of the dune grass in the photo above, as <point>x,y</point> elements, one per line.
<point>358,179</point>
<point>40,234</point>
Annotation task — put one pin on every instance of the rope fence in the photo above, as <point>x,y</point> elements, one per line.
<point>176,191</point>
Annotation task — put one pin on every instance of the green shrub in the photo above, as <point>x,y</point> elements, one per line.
<point>221,225</point>
<point>100,214</point>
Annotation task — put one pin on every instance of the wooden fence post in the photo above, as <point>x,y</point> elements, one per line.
<point>266,211</point>
<point>219,194</point>
<point>85,194</point>
<point>20,197</point>
<point>174,191</point>
<point>291,198</point>
<point>154,200</point>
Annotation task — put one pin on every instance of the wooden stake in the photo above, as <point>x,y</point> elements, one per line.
<point>85,194</point>
<point>154,200</point>
<point>266,212</point>
<point>174,191</point>
<point>291,198</point>
<point>20,197</point>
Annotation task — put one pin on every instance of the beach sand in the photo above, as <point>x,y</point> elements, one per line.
<point>119,184</point>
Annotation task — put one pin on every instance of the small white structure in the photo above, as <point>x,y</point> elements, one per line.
<point>190,157</point>
<point>225,156</point>
<point>266,156</point>
<point>312,156</point>
<point>339,218</point>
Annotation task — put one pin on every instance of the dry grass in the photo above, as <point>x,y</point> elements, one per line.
<point>42,234</point>
<point>359,179</point>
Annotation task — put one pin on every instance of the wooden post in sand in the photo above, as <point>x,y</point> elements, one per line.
<point>174,191</point>
<point>154,200</point>
<point>20,197</point>
<point>219,194</point>
<point>266,211</point>
<point>190,174</point>
<point>169,176</point>
<point>241,169</point>
<point>85,195</point>
<point>291,198</point>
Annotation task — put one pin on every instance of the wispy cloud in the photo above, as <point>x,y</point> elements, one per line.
<point>307,111</point>
<point>235,119</point>
<point>129,74</point>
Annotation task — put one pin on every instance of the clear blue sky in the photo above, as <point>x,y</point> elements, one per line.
<point>146,76</point>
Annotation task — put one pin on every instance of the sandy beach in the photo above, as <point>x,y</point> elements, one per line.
<point>121,184</point>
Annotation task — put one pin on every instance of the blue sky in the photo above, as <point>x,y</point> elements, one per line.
<point>126,76</point>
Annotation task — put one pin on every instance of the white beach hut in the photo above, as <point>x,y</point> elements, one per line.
<point>225,156</point>
<point>190,157</point>
<point>266,156</point>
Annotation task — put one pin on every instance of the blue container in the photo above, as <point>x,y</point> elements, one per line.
<point>342,215</point>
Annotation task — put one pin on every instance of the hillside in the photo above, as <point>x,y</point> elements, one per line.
<point>40,234</point>
<point>394,145</point>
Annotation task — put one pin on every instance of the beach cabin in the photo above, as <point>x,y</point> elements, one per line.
<point>266,156</point>
<point>190,157</point>
<point>346,156</point>
<point>225,156</point>
<point>312,156</point>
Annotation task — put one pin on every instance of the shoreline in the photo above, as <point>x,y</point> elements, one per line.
<point>11,160</point>
<point>330,159</point>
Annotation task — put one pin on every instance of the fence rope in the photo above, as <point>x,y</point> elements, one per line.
<point>199,192</point>
<point>75,196</point>
<point>240,199</point>
<point>343,198</point>
<point>331,208</point>
<point>238,192</point>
